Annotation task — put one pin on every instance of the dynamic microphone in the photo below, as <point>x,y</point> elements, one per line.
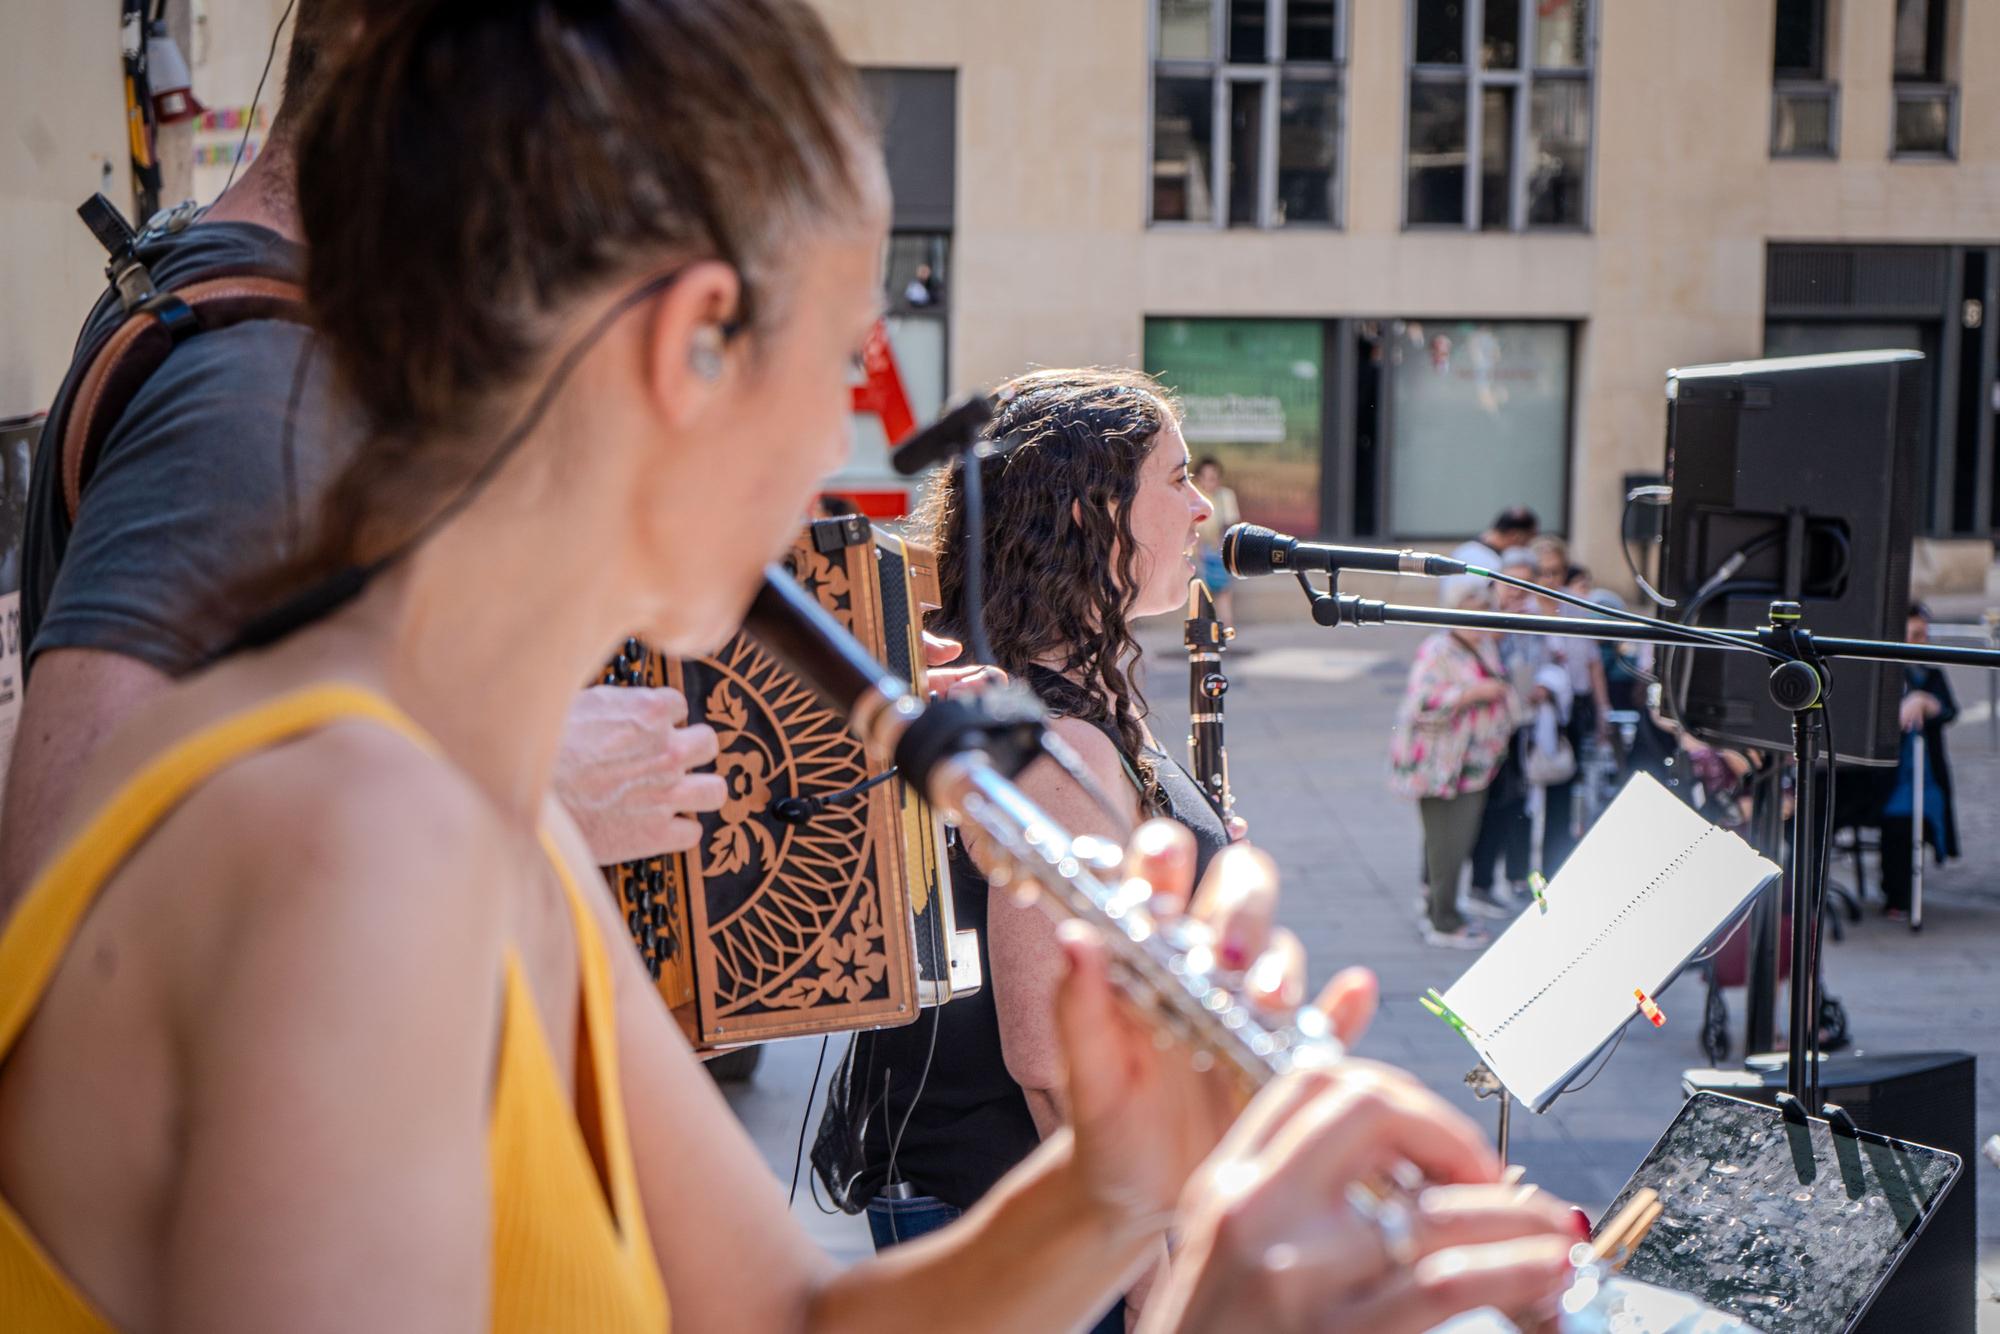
<point>1249,550</point>
<point>944,439</point>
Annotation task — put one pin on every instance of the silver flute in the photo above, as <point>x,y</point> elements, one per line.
<point>1169,969</point>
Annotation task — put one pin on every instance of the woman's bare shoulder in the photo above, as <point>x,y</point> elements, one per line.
<point>360,811</point>
<point>331,853</point>
<point>1091,744</point>
<point>1064,797</point>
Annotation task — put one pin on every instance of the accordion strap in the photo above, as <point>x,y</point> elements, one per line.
<point>124,361</point>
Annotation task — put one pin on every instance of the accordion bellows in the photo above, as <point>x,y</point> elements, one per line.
<point>793,917</point>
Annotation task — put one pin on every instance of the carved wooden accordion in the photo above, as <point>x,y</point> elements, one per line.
<point>819,898</point>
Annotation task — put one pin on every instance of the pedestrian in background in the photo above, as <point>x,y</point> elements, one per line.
<point>1222,501</point>
<point>1512,527</point>
<point>1928,708</point>
<point>1583,719</point>
<point>1506,825</point>
<point>1452,731</point>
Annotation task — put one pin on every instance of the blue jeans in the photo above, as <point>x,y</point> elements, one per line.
<point>894,1221</point>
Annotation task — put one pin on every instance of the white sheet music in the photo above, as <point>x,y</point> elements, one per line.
<point>1644,889</point>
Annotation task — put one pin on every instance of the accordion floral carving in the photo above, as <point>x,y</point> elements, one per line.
<point>827,581</point>
<point>851,965</point>
<point>786,912</point>
<point>777,925</point>
<point>742,841</point>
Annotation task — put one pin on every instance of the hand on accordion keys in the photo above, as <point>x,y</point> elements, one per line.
<point>625,772</point>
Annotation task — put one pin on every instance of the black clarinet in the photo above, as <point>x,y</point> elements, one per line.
<point>1205,637</point>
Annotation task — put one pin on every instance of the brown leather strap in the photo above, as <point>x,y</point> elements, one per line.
<point>127,359</point>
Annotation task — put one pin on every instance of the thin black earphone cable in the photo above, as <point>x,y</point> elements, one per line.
<point>799,1154</point>
<point>344,585</point>
<point>896,1143</point>
<point>250,118</point>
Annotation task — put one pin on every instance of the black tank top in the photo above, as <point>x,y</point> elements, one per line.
<point>971,1123</point>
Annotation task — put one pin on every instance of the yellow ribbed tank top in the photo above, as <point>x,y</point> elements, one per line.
<point>565,1257</point>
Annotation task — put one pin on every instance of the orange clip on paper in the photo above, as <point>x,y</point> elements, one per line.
<point>1650,1010</point>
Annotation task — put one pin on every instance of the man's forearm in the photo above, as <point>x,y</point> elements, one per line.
<point>75,700</point>
<point>1039,1253</point>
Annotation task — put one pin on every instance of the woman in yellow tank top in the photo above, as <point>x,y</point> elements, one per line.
<point>321,1020</point>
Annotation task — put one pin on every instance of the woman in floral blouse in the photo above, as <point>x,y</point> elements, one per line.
<point>1452,729</point>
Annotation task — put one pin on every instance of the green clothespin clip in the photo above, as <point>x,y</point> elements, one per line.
<point>1536,885</point>
<point>1433,1002</point>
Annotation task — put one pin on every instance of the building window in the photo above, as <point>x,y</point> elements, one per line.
<point>1254,394</point>
<point>1246,112</point>
<point>1926,98</point>
<point>1805,103</point>
<point>1478,418</point>
<point>1499,114</point>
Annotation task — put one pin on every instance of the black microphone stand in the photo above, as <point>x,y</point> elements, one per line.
<point>1799,684</point>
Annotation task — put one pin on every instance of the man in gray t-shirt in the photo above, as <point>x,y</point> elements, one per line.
<point>213,471</point>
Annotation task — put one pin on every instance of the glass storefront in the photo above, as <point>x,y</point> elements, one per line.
<point>1439,424</point>
<point>1254,395</point>
<point>1478,420</point>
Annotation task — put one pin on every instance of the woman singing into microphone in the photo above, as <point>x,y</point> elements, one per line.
<point>322,1019</point>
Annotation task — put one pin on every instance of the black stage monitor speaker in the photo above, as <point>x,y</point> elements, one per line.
<point>1925,1098</point>
<point>1796,479</point>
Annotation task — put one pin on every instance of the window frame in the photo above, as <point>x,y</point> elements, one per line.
<point>1816,82</point>
<point>1944,31</point>
<point>1925,92</point>
<point>1822,46</point>
<point>1938,32</point>
<point>1270,73</point>
<point>1783,88</point>
<point>1520,81</point>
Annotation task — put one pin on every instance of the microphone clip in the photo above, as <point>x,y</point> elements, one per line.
<point>1334,608</point>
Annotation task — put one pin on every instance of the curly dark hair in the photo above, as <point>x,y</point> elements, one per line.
<point>1061,561</point>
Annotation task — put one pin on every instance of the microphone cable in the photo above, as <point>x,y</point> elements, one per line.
<point>1628,617</point>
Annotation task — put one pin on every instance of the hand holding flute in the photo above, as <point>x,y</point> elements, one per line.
<point>1181,1003</point>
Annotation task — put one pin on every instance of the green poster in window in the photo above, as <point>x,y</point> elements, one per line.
<point>1253,392</point>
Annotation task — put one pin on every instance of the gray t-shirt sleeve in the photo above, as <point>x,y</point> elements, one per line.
<point>196,489</point>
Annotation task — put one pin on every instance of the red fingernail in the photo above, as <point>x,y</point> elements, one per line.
<point>1232,955</point>
<point>1581,1222</point>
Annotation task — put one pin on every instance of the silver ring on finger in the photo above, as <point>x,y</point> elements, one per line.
<point>1394,1222</point>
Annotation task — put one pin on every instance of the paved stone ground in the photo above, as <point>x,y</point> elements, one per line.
<point>1308,718</point>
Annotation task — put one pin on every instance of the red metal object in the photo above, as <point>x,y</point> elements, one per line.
<point>881,390</point>
<point>889,503</point>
